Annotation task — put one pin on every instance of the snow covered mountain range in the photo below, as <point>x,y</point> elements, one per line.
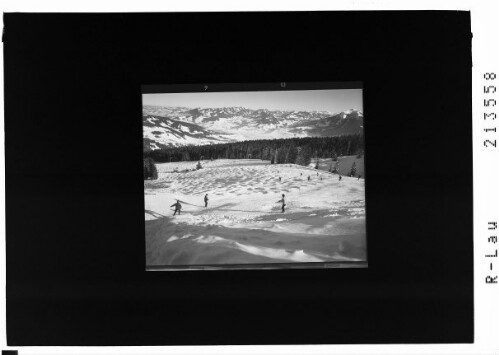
<point>179,126</point>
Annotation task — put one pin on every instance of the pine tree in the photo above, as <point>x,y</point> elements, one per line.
<point>150,171</point>
<point>154,171</point>
<point>147,171</point>
<point>199,166</point>
<point>280,156</point>
<point>317,164</point>
<point>292,154</point>
<point>353,170</point>
<point>304,156</point>
<point>336,169</point>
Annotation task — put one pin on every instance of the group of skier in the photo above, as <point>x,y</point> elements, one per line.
<point>178,205</point>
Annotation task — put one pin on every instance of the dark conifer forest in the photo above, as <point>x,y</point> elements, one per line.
<point>279,151</point>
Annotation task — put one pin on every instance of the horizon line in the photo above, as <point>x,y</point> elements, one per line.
<point>252,109</point>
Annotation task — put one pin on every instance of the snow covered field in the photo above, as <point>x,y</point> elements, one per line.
<point>243,223</point>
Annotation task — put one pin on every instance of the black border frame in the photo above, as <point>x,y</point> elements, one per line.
<point>74,188</point>
<point>269,86</point>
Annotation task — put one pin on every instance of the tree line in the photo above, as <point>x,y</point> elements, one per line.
<point>278,151</point>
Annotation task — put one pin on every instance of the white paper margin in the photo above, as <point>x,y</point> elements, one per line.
<point>484,18</point>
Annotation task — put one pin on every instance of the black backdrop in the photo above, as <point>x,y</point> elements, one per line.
<point>74,189</point>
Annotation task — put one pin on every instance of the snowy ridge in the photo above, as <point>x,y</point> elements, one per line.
<point>178,126</point>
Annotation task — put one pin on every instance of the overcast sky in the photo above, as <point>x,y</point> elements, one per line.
<point>305,100</point>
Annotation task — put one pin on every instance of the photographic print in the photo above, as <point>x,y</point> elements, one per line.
<point>254,179</point>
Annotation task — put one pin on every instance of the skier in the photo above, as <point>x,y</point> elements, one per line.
<point>339,178</point>
<point>206,200</point>
<point>279,179</point>
<point>309,178</point>
<point>177,206</point>
<point>317,173</point>
<point>358,178</point>
<point>283,203</point>
<point>301,174</point>
<point>321,177</point>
